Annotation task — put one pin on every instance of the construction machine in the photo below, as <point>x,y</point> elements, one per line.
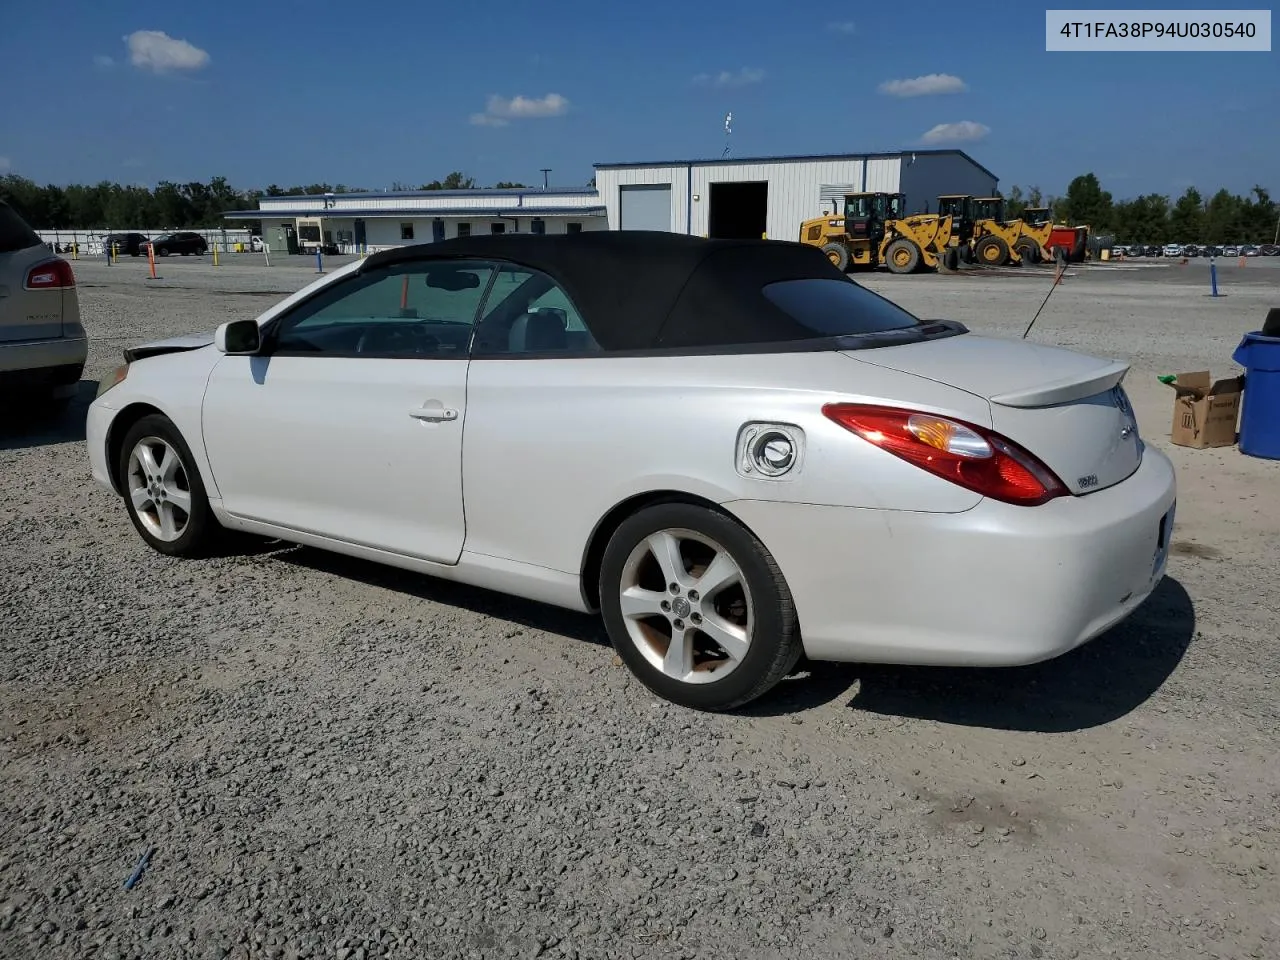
<point>982,229</point>
<point>871,230</point>
<point>1072,241</point>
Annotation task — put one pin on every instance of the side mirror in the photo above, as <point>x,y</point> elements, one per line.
<point>238,337</point>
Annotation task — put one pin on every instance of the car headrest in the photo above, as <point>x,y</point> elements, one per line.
<point>542,330</point>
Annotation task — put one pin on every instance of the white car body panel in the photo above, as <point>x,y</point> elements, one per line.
<point>327,445</point>
<point>586,435</point>
<point>981,588</point>
<point>886,562</point>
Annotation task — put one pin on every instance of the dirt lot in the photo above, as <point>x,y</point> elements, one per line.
<point>332,759</point>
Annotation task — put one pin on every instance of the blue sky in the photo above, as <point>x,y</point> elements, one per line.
<point>300,91</point>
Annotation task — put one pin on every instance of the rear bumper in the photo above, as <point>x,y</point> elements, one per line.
<point>997,585</point>
<point>43,363</point>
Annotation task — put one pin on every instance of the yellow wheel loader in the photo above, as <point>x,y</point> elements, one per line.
<point>1058,238</point>
<point>979,223</point>
<point>871,231</point>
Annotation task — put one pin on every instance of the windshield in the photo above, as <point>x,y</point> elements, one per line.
<point>838,308</point>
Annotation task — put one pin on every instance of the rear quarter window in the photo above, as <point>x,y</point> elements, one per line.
<point>837,308</point>
<point>14,232</point>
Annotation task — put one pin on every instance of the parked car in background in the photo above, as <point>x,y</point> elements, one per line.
<point>1191,250</point>
<point>1211,251</point>
<point>133,244</point>
<point>1231,251</point>
<point>43,346</point>
<point>184,242</point>
<point>729,449</point>
<point>1173,249</point>
<point>1248,250</point>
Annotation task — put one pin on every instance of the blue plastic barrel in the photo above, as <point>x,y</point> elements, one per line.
<point>1260,406</point>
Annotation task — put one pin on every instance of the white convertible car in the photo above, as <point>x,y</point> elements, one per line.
<point>729,449</point>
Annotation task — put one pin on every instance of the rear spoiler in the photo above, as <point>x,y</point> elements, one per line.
<point>1067,390</point>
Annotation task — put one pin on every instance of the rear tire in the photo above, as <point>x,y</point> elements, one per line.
<point>838,254</point>
<point>163,491</point>
<point>903,256</point>
<point>694,576</point>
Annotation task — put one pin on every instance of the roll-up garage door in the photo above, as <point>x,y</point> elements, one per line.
<point>646,207</point>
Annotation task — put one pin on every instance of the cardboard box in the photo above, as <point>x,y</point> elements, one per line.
<point>1205,411</point>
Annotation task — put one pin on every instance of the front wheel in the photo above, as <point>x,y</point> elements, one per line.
<point>838,254</point>
<point>1028,250</point>
<point>163,491</point>
<point>903,256</point>
<point>697,608</point>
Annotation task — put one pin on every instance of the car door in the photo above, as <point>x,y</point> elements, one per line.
<point>348,424</point>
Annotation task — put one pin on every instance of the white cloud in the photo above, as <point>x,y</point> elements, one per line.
<point>499,110</point>
<point>955,132</point>
<point>726,78</point>
<point>102,60</point>
<point>843,26</point>
<point>156,50</point>
<point>924,86</point>
<point>5,164</point>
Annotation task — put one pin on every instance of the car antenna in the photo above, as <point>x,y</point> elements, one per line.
<point>1062,268</point>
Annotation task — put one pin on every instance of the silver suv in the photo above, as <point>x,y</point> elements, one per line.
<point>43,346</point>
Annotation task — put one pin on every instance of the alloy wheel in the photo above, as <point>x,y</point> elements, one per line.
<point>159,488</point>
<point>687,606</point>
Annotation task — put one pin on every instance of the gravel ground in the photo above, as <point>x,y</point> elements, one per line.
<point>333,759</point>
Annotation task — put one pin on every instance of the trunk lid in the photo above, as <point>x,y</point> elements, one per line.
<point>27,314</point>
<point>24,314</point>
<point>1067,408</point>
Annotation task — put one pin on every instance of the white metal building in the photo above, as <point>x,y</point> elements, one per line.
<point>771,196</point>
<point>374,221</point>
<point>754,197</point>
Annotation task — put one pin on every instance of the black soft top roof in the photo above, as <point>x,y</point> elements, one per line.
<point>640,289</point>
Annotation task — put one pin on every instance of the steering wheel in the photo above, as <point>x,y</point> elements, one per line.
<point>410,338</point>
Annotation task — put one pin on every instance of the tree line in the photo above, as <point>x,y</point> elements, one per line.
<point>1223,218</point>
<point>169,205</point>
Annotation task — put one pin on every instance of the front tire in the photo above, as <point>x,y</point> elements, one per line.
<point>903,256</point>
<point>163,491</point>
<point>697,608</point>
<point>1027,250</point>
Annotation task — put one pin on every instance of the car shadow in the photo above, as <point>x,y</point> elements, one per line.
<point>1093,685</point>
<point>27,422</point>
<point>490,603</point>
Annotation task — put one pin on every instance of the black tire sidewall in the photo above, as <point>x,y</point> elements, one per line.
<point>906,245</point>
<point>201,522</point>
<point>770,609</point>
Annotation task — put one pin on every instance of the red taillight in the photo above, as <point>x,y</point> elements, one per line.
<point>50,275</point>
<point>965,454</point>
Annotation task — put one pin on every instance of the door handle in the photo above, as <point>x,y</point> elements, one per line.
<point>434,414</point>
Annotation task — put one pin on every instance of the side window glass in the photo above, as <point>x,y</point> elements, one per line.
<point>529,313</point>
<point>420,309</point>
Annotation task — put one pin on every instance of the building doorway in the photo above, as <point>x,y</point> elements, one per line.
<point>739,211</point>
